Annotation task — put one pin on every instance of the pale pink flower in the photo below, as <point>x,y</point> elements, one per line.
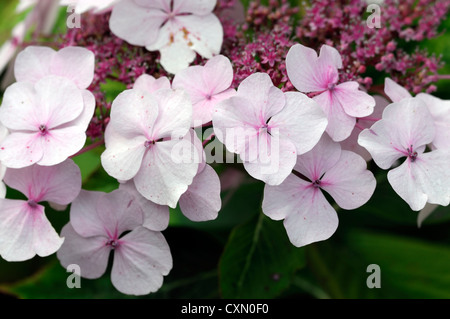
<point>404,131</point>
<point>178,29</point>
<point>24,229</point>
<point>207,85</point>
<point>96,7</point>
<point>47,121</point>
<point>98,223</point>
<point>342,103</point>
<point>268,128</point>
<point>438,108</point>
<point>144,139</point>
<point>308,216</point>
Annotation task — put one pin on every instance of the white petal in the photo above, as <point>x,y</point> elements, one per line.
<point>349,182</point>
<point>308,217</point>
<point>140,262</point>
<point>33,63</point>
<point>302,121</point>
<point>76,64</point>
<point>135,24</point>
<point>340,124</point>
<point>25,231</point>
<point>320,159</point>
<point>60,183</point>
<point>156,217</point>
<point>167,169</point>
<point>395,91</point>
<point>440,111</point>
<point>202,200</point>
<point>89,253</point>
<point>276,159</point>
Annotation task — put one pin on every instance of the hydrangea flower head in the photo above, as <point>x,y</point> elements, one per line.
<point>268,128</point>
<point>299,200</point>
<point>142,139</point>
<point>24,229</point>
<point>207,85</point>
<point>342,103</point>
<point>97,225</point>
<point>404,132</point>
<point>178,29</point>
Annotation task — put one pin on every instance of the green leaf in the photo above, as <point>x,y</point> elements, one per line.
<point>409,268</point>
<point>112,89</point>
<point>51,283</point>
<point>258,260</point>
<point>88,163</point>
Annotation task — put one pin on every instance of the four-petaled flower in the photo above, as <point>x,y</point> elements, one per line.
<point>47,122</point>
<point>207,85</point>
<point>143,142</point>
<point>24,229</point>
<point>405,130</point>
<point>342,103</point>
<point>308,216</point>
<point>98,223</point>
<point>268,128</point>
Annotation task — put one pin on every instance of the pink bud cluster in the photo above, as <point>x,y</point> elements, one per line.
<point>343,25</point>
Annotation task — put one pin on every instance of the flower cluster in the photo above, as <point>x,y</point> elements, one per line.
<point>343,25</point>
<point>298,117</point>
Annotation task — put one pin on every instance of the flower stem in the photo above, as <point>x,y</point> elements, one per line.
<point>443,76</point>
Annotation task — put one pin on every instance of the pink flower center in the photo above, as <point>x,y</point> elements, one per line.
<point>113,243</point>
<point>43,129</point>
<point>32,203</point>
<point>412,154</point>
<point>316,183</point>
<point>149,143</point>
